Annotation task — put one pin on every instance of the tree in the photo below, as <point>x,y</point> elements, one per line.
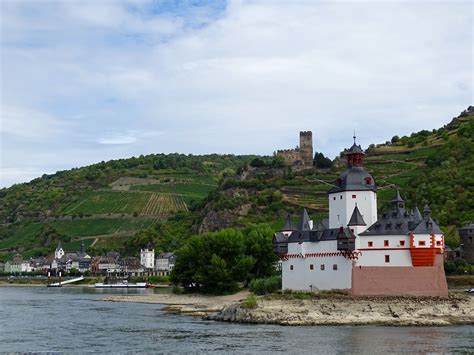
<point>395,139</point>
<point>257,163</point>
<point>320,161</point>
<point>278,162</point>
<point>217,262</point>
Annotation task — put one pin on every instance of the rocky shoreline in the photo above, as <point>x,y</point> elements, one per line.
<point>323,310</point>
<point>398,311</point>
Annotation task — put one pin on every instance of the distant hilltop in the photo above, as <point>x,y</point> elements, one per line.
<point>302,155</point>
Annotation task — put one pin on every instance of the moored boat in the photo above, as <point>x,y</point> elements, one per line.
<point>121,284</point>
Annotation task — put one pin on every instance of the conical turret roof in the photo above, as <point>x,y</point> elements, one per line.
<point>356,218</point>
<point>397,197</point>
<point>417,214</point>
<point>289,226</point>
<point>304,221</point>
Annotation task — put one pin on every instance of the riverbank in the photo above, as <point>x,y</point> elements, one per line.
<point>190,304</point>
<point>318,310</point>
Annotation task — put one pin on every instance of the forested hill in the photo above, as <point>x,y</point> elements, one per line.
<point>434,167</point>
<point>122,204</point>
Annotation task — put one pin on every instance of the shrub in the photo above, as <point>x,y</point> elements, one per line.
<point>250,302</point>
<point>265,285</point>
<point>159,279</point>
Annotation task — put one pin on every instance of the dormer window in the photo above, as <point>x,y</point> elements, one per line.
<point>368,180</point>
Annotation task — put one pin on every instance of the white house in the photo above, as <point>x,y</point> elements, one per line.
<point>147,257</point>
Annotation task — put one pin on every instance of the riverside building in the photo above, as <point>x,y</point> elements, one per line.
<point>398,253</point>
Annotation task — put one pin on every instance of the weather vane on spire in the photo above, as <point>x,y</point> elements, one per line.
<point>354,137</point>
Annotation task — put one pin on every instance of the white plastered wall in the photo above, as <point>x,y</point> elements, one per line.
<point>302,277</point>
<point>375,255</point>
<point>342,204</point>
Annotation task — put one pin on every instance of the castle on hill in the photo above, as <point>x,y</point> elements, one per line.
<point>302,155</point>
<point>398,253</point>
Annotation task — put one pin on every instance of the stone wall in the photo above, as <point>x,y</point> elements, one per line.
<point>291,156</point>
<point>403,281</point>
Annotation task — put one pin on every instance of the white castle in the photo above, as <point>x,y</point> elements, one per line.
<point>400,253</point>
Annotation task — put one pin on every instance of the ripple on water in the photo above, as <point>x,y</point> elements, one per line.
<point>69,320</point>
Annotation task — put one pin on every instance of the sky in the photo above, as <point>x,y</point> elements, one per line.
<point>89,81</point>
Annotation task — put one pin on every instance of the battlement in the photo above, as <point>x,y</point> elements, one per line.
<point>302,154</point>
<point>287,150</point>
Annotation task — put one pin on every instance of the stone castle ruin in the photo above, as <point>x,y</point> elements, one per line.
<point>302,155</point>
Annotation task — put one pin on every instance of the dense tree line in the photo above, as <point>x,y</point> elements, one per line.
<point>218,262</point>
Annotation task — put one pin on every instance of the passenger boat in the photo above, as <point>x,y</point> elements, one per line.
<point>121,284</point>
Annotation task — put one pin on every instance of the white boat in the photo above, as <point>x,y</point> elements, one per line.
<point>121,284</point>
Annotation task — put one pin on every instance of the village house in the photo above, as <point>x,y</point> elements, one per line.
<point>131,265</point>
<point>399,253</point>
<point>108,263</point>
<point>165,263</point>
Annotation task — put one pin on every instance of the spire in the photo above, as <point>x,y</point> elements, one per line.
<point>398,205</point>
<point>417,214</point>
<point>356,218</point>
<point>288,224</point>
<point>354,137</point>
<point>304,221</point>
<point>59,246</point>
<point>397,197</point>
<point>82,248</point>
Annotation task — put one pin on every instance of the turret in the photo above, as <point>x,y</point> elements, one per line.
<point>355,155</point>
<point>353,186</point>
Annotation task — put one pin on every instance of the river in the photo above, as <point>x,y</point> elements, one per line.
<point>39,319</point>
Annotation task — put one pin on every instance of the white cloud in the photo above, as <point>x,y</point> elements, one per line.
<point>28,124</point>
<point>244,80</point>
<point>119,139</point>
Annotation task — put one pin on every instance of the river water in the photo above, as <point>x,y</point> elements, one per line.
<point>38,319</point>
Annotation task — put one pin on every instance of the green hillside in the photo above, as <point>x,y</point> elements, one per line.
<point>105,204</point>
<point>433,167</point>
<point>122,204</point>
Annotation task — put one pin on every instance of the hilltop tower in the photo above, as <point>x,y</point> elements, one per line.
<point>302,155</point>
<point>306,147</point>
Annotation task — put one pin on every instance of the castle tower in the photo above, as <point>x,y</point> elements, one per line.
<point>306,147</point>
<point>354,187</point>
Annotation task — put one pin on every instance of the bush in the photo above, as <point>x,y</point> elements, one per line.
<point>265,285</point>
<point>159,279</point>
<point>250,302</point>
